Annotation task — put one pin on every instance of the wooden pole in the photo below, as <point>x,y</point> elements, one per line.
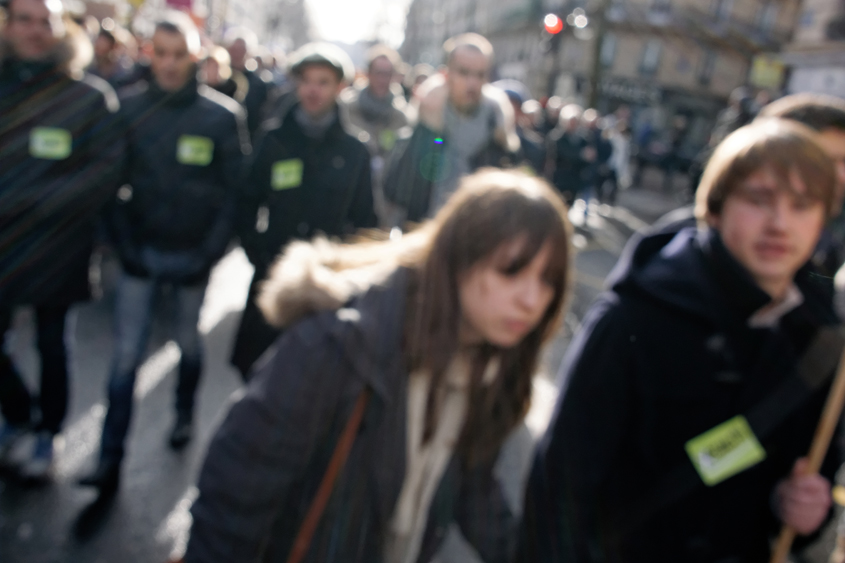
<point>821,441</point>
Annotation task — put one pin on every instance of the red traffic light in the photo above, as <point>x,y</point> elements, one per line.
<point>552,24</point>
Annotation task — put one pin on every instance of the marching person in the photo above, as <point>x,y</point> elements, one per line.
<point>307,176</point>
<point>242,44</point>
<point>173,220</point>
<point>442,331</point>
<point>380,113</point>
<point>57,171</point>
<point>464,124</point>
<point>826,115</point>
<point>681,429</point>
<point>566,145</point>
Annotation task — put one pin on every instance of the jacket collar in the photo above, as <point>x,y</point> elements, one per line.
<point>371,330</point>
<point>334,131</point>
<point>183,97</point>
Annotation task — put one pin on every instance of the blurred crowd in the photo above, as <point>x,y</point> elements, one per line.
<point>166,150</point>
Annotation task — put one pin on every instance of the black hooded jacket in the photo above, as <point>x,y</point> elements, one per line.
<point>184,159</point>
<point>307,185</point>
<point>60,148</point>
<point>666,355</point>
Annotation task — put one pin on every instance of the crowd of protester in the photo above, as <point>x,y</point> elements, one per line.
<point>381,378</point>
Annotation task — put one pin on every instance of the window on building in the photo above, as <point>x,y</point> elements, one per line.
<point>661,5</point>
<point>608,50</point>
<point>767,16</point>
<point>722,9</point>
<point>651,57</point>
<point>708,66</point>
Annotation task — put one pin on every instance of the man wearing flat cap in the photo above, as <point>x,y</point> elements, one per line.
<point>308,177</point>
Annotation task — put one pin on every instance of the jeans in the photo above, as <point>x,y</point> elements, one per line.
<point>132,322</point>
<point>15,399</point>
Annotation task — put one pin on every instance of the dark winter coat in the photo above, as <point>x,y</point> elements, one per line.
<point>271,451</point>
<point>307,186</point>
<point>319,186</point>
<point>59,151</point>
<point>181,203</point>
<point>662,358</point>
<point>255,99</point>
<point>564,152</point>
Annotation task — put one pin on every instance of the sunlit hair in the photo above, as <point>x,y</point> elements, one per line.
<point>492,209</point>
<point>817,111</point>
<point>569,112</point>
<point>379,51</point>
<point>244,34</point>
<point>782,146</point>
<point>181,24</point>
<point>224,62</point>
<point>471,41</point>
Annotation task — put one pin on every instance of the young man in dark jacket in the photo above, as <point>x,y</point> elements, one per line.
<point>173,220</point>
<point>241,44</point>
<point>58,157</point>
<point>308,177</point>
<point>564,155</point>
<point>688,397</point>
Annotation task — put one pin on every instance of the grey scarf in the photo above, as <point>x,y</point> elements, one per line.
<point>373,109</point>
<point>314,128</point>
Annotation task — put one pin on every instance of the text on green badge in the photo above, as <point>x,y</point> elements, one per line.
<point>194,150</point>
<point>50,143</point>
<point>287,174</point>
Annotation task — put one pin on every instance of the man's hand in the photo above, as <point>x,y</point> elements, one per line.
<point>803,499</point>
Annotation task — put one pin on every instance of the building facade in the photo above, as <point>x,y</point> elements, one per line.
<point>816,56</point>
<point>661,58</point>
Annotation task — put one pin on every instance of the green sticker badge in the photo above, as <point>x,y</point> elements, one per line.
<point>194,150</point>
<point>50,143</point>
<point>725,450</point>
<point>387,140</point>
<point>287,174</point>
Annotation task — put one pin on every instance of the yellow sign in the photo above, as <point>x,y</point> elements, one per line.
<point>50,143</point>
<point>767,72</point>
<point>725,450</point>
<point>195,150</point>
<point>287,174</point>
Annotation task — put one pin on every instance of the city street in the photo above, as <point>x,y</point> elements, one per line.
<point>148,519</point>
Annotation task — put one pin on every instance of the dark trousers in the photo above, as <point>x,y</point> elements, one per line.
<point>15,399</point>
<point>254,336</point>
<point>608,188</point>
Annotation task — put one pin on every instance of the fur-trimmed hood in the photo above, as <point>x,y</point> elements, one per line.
<point>72,54</point>
<point>433,96</point>
<point>321,275</point>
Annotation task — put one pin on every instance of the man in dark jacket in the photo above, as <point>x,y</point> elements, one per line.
<point>564,156</point>
<point>172,221</point>
<point>241,43</point>
<point>825,114</point>
<point>58,157</point>
<point>308,177</point>
<point>683,409</point>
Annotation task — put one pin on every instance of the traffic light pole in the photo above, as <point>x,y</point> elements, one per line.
<point>554,49</point>
<point>599,26</point>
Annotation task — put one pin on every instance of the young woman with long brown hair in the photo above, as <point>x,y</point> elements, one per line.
<point>444,329</point>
